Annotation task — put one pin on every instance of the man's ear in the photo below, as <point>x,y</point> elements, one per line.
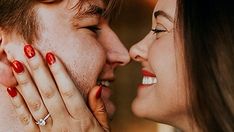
<point>6,75</point>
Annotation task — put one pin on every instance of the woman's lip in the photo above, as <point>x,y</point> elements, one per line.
<point>147,73</point>
<point>144,85</point>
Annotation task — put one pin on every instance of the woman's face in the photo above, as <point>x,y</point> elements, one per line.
<point>161,96</point>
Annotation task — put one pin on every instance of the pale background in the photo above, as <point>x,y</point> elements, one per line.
<point>133,23</point>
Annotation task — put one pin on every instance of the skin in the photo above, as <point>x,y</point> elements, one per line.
<point>161,54</point>
<point>88,56</point>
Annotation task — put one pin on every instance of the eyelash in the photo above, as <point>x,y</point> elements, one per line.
<point>94,29</point>
<point>156,31</point>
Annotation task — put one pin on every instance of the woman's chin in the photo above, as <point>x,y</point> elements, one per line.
<point>138,109</point>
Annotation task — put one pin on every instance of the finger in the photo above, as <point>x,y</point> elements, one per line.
<point>29,91</point>
<point>72,98</point>
<point>97,107</point>
<point>21,110</point>
<point>45,84</point>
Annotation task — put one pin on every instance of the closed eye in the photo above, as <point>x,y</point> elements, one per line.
<point>94,29</point>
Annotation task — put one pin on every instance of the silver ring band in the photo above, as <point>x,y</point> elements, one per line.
<point>42,122</point>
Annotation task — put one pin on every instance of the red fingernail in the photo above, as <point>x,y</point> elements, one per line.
<point>50,58</point>
<point>17,66</point>
<point>29,51</point>
<point>0,41</point>
<point>12,91</point>
<point>99,92</point>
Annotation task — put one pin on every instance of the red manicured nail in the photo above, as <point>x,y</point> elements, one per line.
<point>17,66</point>
<point>50,58</point>
<point>99,92</point>
<point>0,41</point>
<point>29,51</point>
<point>12,91</point>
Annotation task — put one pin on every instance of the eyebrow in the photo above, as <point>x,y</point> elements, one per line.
<point>90,10</point>
<point>164,14</point>
<point>94,10</point>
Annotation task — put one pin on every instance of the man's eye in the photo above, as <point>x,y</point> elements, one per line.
<point>94,29</point>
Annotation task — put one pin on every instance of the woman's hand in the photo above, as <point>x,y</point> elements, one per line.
<point>50,92</point>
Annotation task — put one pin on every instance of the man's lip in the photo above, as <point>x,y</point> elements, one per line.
<point>147,73</point>
<point>110,79</point>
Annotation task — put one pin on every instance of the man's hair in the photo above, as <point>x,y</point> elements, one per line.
<point>19,16</point>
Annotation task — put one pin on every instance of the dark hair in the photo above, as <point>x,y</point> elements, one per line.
<point>208,37</point>
<point>19,16</point>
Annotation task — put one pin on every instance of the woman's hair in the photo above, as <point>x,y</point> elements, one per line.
<point>208,38</point>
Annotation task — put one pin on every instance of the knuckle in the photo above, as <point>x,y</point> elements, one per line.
<point>35,64</point>
<point>80,112</point>
<point>35,105</point>
<point>101,109</point>
<point>48,93</point>
<point>67,93</point>
<point>23,80</point>
<point>17,105</point>
<point>56,70</point>
<point>25,119</point>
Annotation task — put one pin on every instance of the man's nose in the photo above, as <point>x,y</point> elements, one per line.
<point>118,54</point>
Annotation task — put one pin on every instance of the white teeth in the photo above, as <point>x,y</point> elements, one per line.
<point>149,80</point>
<point>105,83</point>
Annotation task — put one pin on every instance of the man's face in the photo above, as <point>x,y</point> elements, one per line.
<point>89,54</point>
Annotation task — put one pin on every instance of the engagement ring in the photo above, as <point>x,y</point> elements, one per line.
<point>42,122</point>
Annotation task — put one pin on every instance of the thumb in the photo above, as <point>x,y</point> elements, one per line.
<point>98,108</point>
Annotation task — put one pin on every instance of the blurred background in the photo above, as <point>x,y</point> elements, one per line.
<point>133,23</point>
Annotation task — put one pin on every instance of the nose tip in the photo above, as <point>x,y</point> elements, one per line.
<point>125,59</point>
<point>133,53</point>
<point>137,53</point>
<point>119,59</point>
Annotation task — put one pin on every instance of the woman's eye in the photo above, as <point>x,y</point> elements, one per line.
<point>94,29</point>
<point>156,31</point>
<point>159,31</point>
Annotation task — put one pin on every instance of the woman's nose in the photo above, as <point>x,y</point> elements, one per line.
<point>138,52</point>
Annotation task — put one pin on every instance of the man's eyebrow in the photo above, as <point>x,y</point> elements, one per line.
<point>164,14</point>
<point>93,10</point>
